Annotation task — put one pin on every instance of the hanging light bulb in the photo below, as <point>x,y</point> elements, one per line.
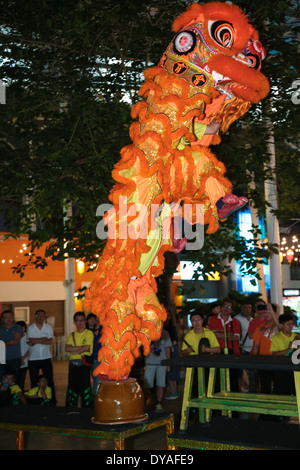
<point>290,255</point>
<point>80,267</point>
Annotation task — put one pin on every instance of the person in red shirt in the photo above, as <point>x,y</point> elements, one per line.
<point>226,328</point>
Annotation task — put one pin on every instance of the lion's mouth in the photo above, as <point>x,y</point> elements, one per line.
<point>234,76</point>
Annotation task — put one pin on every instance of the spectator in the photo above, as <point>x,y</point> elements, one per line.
<point>192,339</point>
<point>197,341</point>
<point>41,394</point>
<point>10,334</point>
<point>40,337</point>
<point>281,345</point>
<point>226,328</point>
<point>79,343</point>
<point>262,339</point>
<point>173,375</point>
<point>24,355</point>
<point>260,308</point>
<point>93,324</point>
<point>11,390</point>
<point>215,308</point>
<point>245,318</point>
<point>159,351</point>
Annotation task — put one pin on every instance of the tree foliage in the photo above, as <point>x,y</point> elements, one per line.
<point>73,70</point>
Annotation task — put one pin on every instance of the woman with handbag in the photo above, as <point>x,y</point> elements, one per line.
<point>80,347</point>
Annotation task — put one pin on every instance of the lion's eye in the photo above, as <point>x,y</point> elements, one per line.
<point>255,53</point>
<point>222,33</point>
<point>184,42</point>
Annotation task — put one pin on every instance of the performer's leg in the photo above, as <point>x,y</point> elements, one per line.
<point>86,389</point>
<point>72,395</point>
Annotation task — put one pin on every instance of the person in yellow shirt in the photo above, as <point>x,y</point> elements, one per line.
<point>199,340</point>
<point>282,341</point>
<point>195,337</point>
<point>41,394</point>
<point>79,343</point>
<point>10,392</point>
<point>281,346</point>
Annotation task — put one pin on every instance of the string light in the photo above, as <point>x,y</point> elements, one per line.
<point>289,248</point>
<point>19,251</point>
<point>22,250</point>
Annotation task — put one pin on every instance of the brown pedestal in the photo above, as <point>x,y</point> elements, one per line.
<point>119,402</point>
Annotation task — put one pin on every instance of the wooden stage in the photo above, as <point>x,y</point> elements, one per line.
<point>76,422</point>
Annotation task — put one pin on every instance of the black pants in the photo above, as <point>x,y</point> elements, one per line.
<point>266,378</point>
<point>79,385</point>
<point>46,367</point>
<point>22,377</point>
<point>284,383</point>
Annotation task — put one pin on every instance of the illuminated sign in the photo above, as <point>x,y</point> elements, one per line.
<point>291,292</point>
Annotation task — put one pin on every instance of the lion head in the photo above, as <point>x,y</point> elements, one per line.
<point>216,46</point>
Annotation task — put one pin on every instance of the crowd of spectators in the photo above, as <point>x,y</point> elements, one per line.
<point>28,350</point>
<point>254,330</point>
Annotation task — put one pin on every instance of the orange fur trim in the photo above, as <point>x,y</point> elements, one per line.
<point>217,11</point>
<point>254,85</point>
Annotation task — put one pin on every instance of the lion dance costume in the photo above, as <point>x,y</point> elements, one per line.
<point>209,74</point>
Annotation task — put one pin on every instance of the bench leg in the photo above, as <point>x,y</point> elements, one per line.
<point>201,392</point>
<point>297,388</point>
<point>210,390</point>
<point>225,387</point>
<point>20,440</point>
<point>186,397</point>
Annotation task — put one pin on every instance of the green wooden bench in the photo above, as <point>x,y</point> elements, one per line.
<point>226,400</point>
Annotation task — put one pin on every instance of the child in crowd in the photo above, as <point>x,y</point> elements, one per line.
<point>41,394</point>
<point>281,345</point>
<point>10,393</point>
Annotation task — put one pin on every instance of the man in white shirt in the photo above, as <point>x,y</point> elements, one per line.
<point>40,337</point>
<point>245,317</point>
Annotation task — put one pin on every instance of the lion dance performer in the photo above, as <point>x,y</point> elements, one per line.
<point>207,78</point>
